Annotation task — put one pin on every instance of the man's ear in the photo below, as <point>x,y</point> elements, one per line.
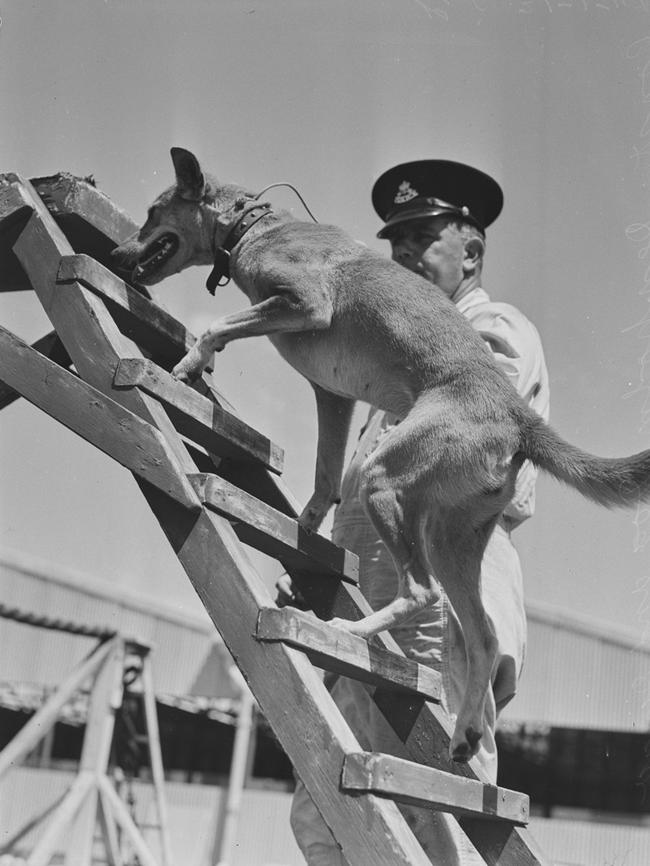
<point>474,250</point>
<point>190,182</point>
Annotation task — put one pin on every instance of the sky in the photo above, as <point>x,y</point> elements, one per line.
<point>551,97</point>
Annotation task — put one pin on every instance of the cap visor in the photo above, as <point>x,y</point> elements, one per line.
<point>426,213</point>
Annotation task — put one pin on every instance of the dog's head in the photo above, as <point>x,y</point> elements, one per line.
<point>184,225</point>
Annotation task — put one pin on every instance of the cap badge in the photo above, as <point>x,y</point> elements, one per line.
<point>405,192</point>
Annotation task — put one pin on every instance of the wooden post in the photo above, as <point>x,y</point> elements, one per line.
<point>46,717</point>
<point>121,814</point>
<point>67,809</point>
<point>155,757</point>
<point>237,780</point>
<point>105,697</point>
<point>109,831</point>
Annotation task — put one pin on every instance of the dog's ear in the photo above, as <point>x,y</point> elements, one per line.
<point>189,177</point>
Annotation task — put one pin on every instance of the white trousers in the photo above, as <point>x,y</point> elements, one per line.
<point>432,637</point>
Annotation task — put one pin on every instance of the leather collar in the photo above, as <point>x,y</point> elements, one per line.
<point>236,231</point>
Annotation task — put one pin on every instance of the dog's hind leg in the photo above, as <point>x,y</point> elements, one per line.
<point>396,493</point>
<point>434,489</point>
<point>458,544</point>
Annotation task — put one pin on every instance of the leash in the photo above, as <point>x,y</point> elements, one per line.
<point>220,273</point>
<point>291,187</point>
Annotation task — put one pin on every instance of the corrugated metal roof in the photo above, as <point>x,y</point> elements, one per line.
<point>579,672</point>
<point>188,656</point>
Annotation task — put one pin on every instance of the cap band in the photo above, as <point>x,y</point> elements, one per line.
<point>424,207</point>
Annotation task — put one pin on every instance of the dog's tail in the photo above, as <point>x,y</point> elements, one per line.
<point>609,481</point>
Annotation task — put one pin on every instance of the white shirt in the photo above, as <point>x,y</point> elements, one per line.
<point>517,349</point>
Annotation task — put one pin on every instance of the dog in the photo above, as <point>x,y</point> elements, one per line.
<point>361,327</point>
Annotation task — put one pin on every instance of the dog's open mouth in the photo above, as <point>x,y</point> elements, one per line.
<point>155,256</point>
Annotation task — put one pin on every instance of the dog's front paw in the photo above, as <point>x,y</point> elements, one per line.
<point>311,519</point>
<point>315,512</point>
<point>337,622</point>
<point>189,369</point>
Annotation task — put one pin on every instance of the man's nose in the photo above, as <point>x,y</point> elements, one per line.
<point>402,254</point>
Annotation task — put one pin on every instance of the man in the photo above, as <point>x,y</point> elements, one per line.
<point>435,214</point>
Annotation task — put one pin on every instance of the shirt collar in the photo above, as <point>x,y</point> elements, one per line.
<point>472,299</point>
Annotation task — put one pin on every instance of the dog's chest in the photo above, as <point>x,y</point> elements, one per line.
<point>343,370</point>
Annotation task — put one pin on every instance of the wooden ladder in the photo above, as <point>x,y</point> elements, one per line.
<point>213,483</point>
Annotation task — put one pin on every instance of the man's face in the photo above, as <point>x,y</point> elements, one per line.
<point>433,248</point>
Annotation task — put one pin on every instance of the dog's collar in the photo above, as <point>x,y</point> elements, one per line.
<point>236,231</point>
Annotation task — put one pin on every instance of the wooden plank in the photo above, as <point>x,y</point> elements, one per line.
<point>122,817</point>
<point>155,757</point>
<point>341,652</point>
<point>422,733</point>
<point>82,787</point>
<point>81,320</point>
<point>199,418</point>
<point>499,847</point>
<point>101,421</point>
<point>369,828</point>
<point>109,832</point>
<point>14,212</point>
<point>105,695</point>
<point>137,317</point>
<point>52,348</point>
<point>412,783</point>
<point>45,718</point>
<point>272,532</point>
<point>88,219</point>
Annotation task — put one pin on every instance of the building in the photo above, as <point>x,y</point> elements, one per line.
<point>577,739</point>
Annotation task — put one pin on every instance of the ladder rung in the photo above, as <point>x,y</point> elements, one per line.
<point>137,316</point>
<point>343,653</point>
<point>273,532</point>
<point>199,418</point>
<point>418,785</point>
<point>51,346</point>
<point>106,424</point>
